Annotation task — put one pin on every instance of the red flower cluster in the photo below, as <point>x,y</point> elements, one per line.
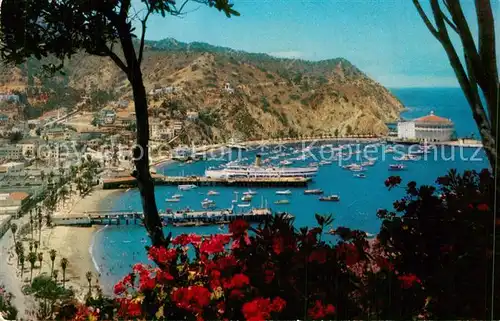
<point>238,227</point>
<point>163,276</point>
<point>408,280</point>
<point>349,252</point>
<point>238,281</point>
<point>84,313</point>
<point>185,239</point>
<point>127,281</point>
<point>283,243</point>
<point>260,309</point>
<point>119,288</point>
<point>384,263</point>
<point>269,276</point>
<point>214,244</point>
<point>483,207</point>
<point>193,298</point>
<point>129,308</point>
<point>320,311</point>
<point>318,256</point>
<point>162,255</point>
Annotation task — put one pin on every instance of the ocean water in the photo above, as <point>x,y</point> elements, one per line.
<point>116,248</point>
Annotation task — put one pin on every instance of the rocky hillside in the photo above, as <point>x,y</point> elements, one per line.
<point>272,96</point>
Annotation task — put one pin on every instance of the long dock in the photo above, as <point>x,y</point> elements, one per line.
<point>129,181</point>
<point>179,218</point>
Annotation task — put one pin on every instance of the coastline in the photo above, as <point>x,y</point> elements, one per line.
<point>77,243</point>
<point>70,242</point>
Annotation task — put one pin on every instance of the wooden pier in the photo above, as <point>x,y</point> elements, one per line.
<point>129,181</point>
<point>179,218</point>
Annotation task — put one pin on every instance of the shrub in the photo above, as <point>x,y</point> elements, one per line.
<point>431,260</point>
<point>444,236</point>
<point>7,309</point>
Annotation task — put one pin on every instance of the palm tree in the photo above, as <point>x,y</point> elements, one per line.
<point>32,259</point>
<point>40,259</point>
<point>13,228</point>
<point>55,273</point>
<point>40,220</point>
<point>64,265</point>
<point>52,254</point>
<point>31,226</point>
<point>88,275</point>
<point>19,249</point>
<point>21,260</point>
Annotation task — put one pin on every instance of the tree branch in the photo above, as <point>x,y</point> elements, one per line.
<point>143,35</point>
<point>468,44</point>
<point>487,53</point>
<point>426,20</point>
<point>450,23</point>
<point>466,84</point>
<point>117,61</point>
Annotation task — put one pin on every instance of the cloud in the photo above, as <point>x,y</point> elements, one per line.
<point>287,54</point>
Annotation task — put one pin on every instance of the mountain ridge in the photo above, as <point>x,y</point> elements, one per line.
<point>269,96</point>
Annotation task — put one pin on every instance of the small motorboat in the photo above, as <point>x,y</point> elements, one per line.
<point>207,203</point>
<point>250,192</point>
<point>389,150</point>
<point>282,202</point>
<point>286,162</point>
<point>396,167</point>
<point>368,163</point>
<point>212,193</point>
<point>330,198</point>
<point>247,198</point>
<point>186,187</point>
<point>177,196</point>
<point>285,192</point>
<point>244,205</point>
<point>324,162</point>
<point>172,200</point>
<point>313,191</point>
<point>360,175</point>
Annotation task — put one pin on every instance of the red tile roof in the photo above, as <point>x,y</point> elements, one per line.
<point>19,196</point>
<point>432,119</point>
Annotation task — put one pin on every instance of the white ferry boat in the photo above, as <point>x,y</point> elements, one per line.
<point>258,171</point>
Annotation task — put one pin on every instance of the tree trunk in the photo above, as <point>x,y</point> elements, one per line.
<point>152,220</point>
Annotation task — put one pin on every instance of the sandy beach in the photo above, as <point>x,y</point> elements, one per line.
<point>72,243</point>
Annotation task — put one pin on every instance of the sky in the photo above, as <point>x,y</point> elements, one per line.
<point>384,38</point>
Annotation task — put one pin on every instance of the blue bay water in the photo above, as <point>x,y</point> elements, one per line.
<point>116,248</point>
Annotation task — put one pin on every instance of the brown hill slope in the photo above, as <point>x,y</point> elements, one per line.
<point>272,96</point>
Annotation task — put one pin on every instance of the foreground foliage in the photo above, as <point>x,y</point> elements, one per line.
<point>431,259</point>
<point>7,310</point>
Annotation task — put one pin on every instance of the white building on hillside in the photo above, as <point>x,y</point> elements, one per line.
<point>429,128</point>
